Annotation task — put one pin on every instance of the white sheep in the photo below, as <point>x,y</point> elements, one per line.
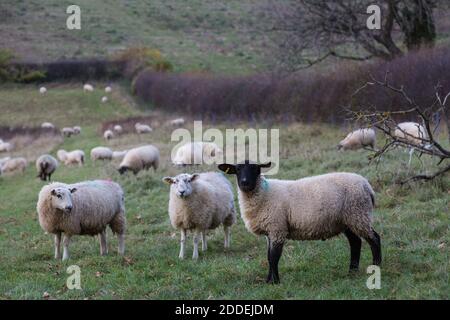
<point>46,165</point>
<point>88,88</point>
<point>47,125</point>
<point>13,165</point>
<point>118,129</point>
<point>358,139</point>
<point>140,158</point>
<point>84,208</point>
<point>67,132</point>
<point>72,157</point>
<point>196,153</point>
<point>119,155</point>
<point>101,153</point>
<point>413,133</point>
<point>177,122</point>
<point>104,99</point>
<point>6,146</point>
<point>76,130</point>
<point>142,128</point>
<point>108,135</point>
<point>108,89</point>
<point>42,90</point>
<point>3,160</point>
<point>313,208</point>
<point>200,202</point>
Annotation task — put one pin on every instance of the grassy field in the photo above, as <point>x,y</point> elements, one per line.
<point>413,221</point>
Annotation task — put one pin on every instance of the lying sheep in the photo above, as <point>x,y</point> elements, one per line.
<point>72,157</point>
<point>177,122</point>
<point>118,129</point>
<point>84,208</point>
<point>140,158</point>
<point>88,88</point>
<point>358,139</point>
<point>46,165</point>
<point>313,208</point>
<point>142,128</point>
<point>47,125</point>
<point>6,146</point>
<point>108,89</point>
<point>412,133</point>
<point>67,132</point>
<point>101,153</point>
<point>196,153</point>
<point>42,90</point>
<point>13,165</point>
<point>76,130</point>
<point>119,155</point>
<point>200,202</point>
<point>104,99</point>
<point>108,135</point>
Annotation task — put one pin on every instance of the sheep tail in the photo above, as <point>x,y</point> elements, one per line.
<point>369,190</point>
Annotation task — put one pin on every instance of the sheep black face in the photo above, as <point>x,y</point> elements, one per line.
<point>247,173</point>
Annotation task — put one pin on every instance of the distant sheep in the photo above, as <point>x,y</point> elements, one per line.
<point>47,125</point>
<point>312,208</point>
<point>177,122</point>
<point>108,135</point>
<point>118,129</point>
<point>13,165</point>
<point>67,132</point>
<point>358,139</point>
<point>140,158</point>
<point>88,88</point>
<point>196,153</point>
<point>413,133</point>
<point>101,153</point>
<point>6,147</point>
<point>108,89</point>
<point>84,208</point>
<point>42,90</point>
<point>200,202</point>
<point>76,130</point>
<point>104,99</point>
<point>142,128</point>
<point>46,165</point>
<point>72,157</point>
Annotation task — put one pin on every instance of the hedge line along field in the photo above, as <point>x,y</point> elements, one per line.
<point>413,221</point>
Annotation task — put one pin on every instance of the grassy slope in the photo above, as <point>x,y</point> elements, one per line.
<point>195,34</point>
<point>412,223</point>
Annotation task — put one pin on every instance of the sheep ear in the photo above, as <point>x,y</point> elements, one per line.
<point>265,165</point>
<point>73,190</point>
<point>167,180</point>
<point>227,168</point>
<point>194,177</point>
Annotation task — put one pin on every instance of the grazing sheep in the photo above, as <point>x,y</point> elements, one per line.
<point>88,88</point>
<point>47,125</point>
<point>13,165</point>
<point>177,122</point>
<point>72,157</point>
<point>67,132</point>
<point>142,128</point>
<point>6,146</point>
<point>108,135</point>
<point>118,129</point>
<point>108,89</point>
<point>313,208</point>
<point>42,90</point>
<point>119,154</point>
<point>101,153</point>
<point>3,160</point>
<point>46,166</point>
<point>358,139</point>
<point>84,208</point>
<point>196,153</point>
<point>413,133</point>
<point>140,158</point>
<point>76,130</point>
<point>104,99</point>
<point>200,202</point>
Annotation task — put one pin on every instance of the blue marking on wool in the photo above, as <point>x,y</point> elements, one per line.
<point>265,184</point>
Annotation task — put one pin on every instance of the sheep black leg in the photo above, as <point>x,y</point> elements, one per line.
<point>276,249</point>
<point>269,277</point>
<point>374,241</point>
<point>355,249</point>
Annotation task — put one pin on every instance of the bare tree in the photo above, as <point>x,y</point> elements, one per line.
<point>386,122</point>
<point>309,31</point>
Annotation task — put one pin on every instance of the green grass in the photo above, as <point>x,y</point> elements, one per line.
<point>412,221</point>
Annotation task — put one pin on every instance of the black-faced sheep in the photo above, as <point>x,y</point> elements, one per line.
<point>46,165</point>
<point>108,135</point>
<point>140,158</point>
<point>200,202</point>
<point>67,132</point>
<point>84,208</point>
<point>313,208</point>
